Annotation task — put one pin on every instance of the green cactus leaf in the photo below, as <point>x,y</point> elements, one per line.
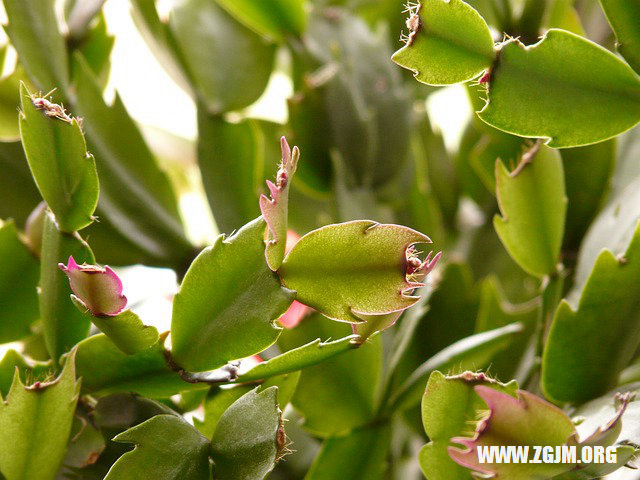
<point>167,447</point>
<point>533,207</point>
<point>249,437</point>
<point>448,42</point>
<point>64,171</point>
<point>449,409</point>
<point>275,19</point>
<point>352,268</point>
<point>589,344</point>
<point>35,421</point>
<point>624,18</point>
<point>18,282</point>
<point>564,88</point>
<point>63,325</point>
<point>228,302</point>
<point>219,72</point>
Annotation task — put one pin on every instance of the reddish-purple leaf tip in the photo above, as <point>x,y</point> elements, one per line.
<point>98,288</point>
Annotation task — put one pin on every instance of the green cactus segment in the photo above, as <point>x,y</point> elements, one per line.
<point>448,42</point>
<point>249,437</point>
<point>275,19</point>
<point>63,325</point>
<point>624,17</point>
<point>35,422</point>
<point>564,88</point>
<point>167,447</point>
<point>449,409</point>
<point>228,302</point>
<point>352,268</point>
<point>64,171</point>
<point>533,206</point>
<point>588,346</point>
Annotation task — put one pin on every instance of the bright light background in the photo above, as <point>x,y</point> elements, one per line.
<point>155,101</point>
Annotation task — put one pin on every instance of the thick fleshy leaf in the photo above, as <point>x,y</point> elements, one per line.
<point>273,18</point>
<point>300,358</point>
<point>564,88</point>
<point>125,329</point>
<point>525,420</point>
<point>33,30</point>
<point>354,377</point>
<point>616,224</point>
<point>228,302</point>
<point>624,18</point>
<point>218,399</point>
<point>529,421</point>
<point>96,288</point>
<point>167,447</point>
<point>106,369</point>
<point>249,437</point>
<point>358,109</point>
<point>473,352</point>
<point>61,166</point>
<point>96,48</point>
<point>352,268</point>
<point>275,210</point>
<point>19,274</point>
<point>361,455</point>
<point>448,42</point>
<point>533,206</point>
<point>9,96</point>
<point>232,164</point>
<point>63,324</point>
<point>588,173</point>
<point>135,194</point>
<point>36,422</point>
<point>85,446</point>
<point>18,192</point>
<point>449,409</point>
<point>218,73</point>
<point>589,344</point>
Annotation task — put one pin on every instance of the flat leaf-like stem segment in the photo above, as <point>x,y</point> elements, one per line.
<point>533,205</point>
<point>525,420</point>
<point>302,357</point>
<point>275,211</point>
<point>64,171</point>
<point>18,282</point>
<point>353,268</point>
<point>624,17</point>
<point>448,42</point>
<point>227,303</point>
<point>275,19</point>
<point>63,325</point>
<point>564,88</point>
<point>167,447</point>
<point>125,329</point>
<point>449,409</point>
<point>249,437</point>
<point>35,422</point>
<point>588,346</point>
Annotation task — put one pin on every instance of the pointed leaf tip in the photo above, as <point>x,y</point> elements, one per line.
<point>98,288</point>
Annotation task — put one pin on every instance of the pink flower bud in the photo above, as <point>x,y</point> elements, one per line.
<point>98,288</point>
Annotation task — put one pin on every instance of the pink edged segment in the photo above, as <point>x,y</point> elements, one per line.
<point>276,209</point>
<point>98,288</point>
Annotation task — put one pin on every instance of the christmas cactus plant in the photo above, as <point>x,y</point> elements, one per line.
<point>318,335</point>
